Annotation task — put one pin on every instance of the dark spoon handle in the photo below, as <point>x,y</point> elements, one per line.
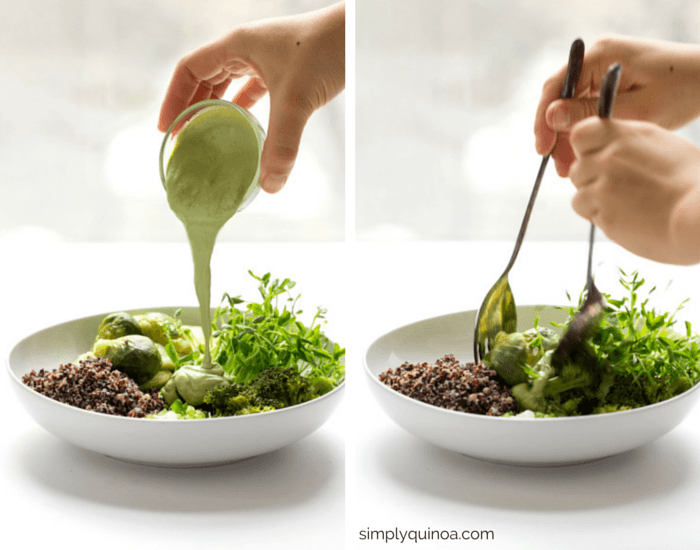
<point>573,72</point>
<point>605,106</point>
<point>608,91</point>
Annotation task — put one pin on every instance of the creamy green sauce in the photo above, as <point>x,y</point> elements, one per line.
<point>213,166</point>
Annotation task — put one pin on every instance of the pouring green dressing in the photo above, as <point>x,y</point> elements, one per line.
<point>212,172</point>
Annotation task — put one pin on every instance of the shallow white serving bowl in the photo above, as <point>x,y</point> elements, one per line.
<point>536,441</point>
<point>178,443</point>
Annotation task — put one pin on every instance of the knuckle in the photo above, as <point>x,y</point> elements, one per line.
<point>609,155</point>
<point>581,130</point>
<point>607,41</point>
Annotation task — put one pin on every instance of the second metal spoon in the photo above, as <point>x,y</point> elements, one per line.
<point>591,312</point>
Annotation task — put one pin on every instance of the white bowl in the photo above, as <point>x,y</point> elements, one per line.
<point>179,443</point>
<point>535,441</point>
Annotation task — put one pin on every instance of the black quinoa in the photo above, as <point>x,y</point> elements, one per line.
<point>469,387</point>
<point>94,385</point>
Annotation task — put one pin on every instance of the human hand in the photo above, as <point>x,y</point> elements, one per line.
<point>660,83</point>
<point>641,185</point>
<point>299,60</point>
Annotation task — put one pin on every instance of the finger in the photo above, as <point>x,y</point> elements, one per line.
<point>286,125</point>
<point>202,94</point>
<point>562,114</point>
<point>584,173</point>
<point>206,64</point>
<point>220,89</point>
<point>544,136</point>
<point>591,135</point>
<point>250,93</point>
<point>585,203</point>
<point>594,67</point>
<point>563,155</point>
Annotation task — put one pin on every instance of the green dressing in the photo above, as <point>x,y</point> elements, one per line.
<point>213,168</point>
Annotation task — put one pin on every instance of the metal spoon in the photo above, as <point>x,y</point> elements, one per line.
<point>591,312</point>
<point>497,312</point>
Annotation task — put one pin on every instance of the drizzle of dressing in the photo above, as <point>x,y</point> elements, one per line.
<point>214,165</point>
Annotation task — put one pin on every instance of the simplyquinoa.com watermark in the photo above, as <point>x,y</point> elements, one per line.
<point>419,535</point>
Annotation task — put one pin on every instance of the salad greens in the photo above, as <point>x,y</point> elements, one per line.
<point>262,336</point>
<point>264,356</point>
<point>178,410</point>
<point>635,358</point>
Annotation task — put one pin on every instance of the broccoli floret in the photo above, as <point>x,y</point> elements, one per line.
<point>627,392</point>
<point>232,400</point>
<point>318,386</point>
<point>280,387</point>
<point>573,388</point>
<point>630,392</point>
<point>273,388</point>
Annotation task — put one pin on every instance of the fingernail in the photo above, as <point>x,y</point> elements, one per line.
<point>273,182</point>
<point>560,119</point>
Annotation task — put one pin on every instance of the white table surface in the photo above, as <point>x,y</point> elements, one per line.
<point>645,499</point>
<point>359,471</point>
<point>54,491</point>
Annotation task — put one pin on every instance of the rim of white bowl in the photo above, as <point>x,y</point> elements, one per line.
<point>440,410</point>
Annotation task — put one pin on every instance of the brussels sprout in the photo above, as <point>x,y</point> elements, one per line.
<point>514,355</point>
<point>190,383</point>
<point>117,325</point>
<point>136,356</point>
<point>509,357</point>
<point>159,327</point>
<point>158,381</point>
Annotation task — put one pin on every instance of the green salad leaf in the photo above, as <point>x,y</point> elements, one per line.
<point>270,334</point>
<point>641,344</point>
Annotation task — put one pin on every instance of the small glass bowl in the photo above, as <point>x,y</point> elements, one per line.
<point>187,115</point>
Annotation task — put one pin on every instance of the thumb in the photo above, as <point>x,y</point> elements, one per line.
<point>562,114</point>
<point>287,122</point>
